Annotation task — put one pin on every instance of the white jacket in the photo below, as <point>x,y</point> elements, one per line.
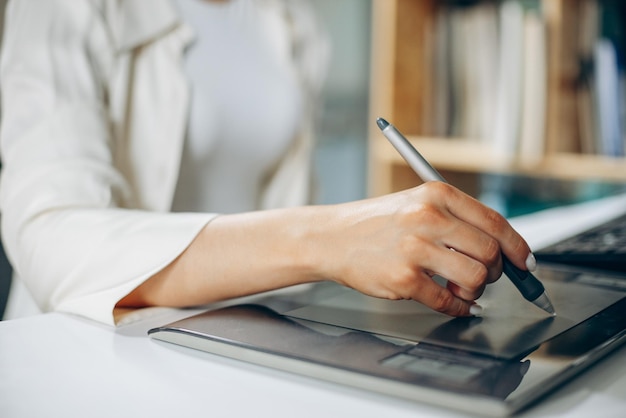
<point>94,109</point>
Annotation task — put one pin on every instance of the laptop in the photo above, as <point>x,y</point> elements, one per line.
<point>496,364</point>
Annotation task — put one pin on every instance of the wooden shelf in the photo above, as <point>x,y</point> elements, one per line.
<point>401,89</point>
<point>470,156</point>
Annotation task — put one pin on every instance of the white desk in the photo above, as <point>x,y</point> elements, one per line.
<point>56,365</point>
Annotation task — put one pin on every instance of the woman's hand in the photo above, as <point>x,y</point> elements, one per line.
<point>388,247</point>
<point>391,247</point>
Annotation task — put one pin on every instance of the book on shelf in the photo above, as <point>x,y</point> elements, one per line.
<point>600,89</point>
<point>473,44</point>
<point>588,21</point>
<point>534,88</point>
<point>612,43</point>
<point>510,76</point>
<point>608,101</point>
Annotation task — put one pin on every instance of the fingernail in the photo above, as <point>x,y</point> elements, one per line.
<point>531,262</point>
<point>476,309</point>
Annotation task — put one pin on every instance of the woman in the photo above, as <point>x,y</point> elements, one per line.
<point>159,156</point>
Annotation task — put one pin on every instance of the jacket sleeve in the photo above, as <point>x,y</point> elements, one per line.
<point>66,226</point>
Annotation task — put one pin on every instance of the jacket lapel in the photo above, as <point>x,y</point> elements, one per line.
<point>155,106</point>
<point>132,26</point>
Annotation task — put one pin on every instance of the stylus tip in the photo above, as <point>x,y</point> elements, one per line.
<point>544,303</point>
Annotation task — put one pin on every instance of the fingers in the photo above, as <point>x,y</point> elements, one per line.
<point>484,219</point>
<point>439,298</point>
<point>477,247</point>
<point>466,276</point>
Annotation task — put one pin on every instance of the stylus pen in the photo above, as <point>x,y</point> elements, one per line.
<point>529,286</point>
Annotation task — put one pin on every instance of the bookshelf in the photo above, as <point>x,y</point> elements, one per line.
<point>403,91</point>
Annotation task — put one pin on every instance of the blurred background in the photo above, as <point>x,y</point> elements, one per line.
<point>521,103</point>
<point>341,157</point>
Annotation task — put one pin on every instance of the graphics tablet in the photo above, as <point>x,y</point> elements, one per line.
<point>495,364</point>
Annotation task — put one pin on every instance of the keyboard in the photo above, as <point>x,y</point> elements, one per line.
<point>602,247</point>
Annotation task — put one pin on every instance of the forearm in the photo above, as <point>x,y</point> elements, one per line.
<point>237,255</point>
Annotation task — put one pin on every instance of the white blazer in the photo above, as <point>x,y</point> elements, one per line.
<point>94,110</point>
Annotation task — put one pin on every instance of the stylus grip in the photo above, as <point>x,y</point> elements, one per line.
<point>526,283</point>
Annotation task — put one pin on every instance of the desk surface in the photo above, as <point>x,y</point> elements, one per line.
<point>57,365</point>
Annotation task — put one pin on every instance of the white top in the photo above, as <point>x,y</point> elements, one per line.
<point>246,104</point>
